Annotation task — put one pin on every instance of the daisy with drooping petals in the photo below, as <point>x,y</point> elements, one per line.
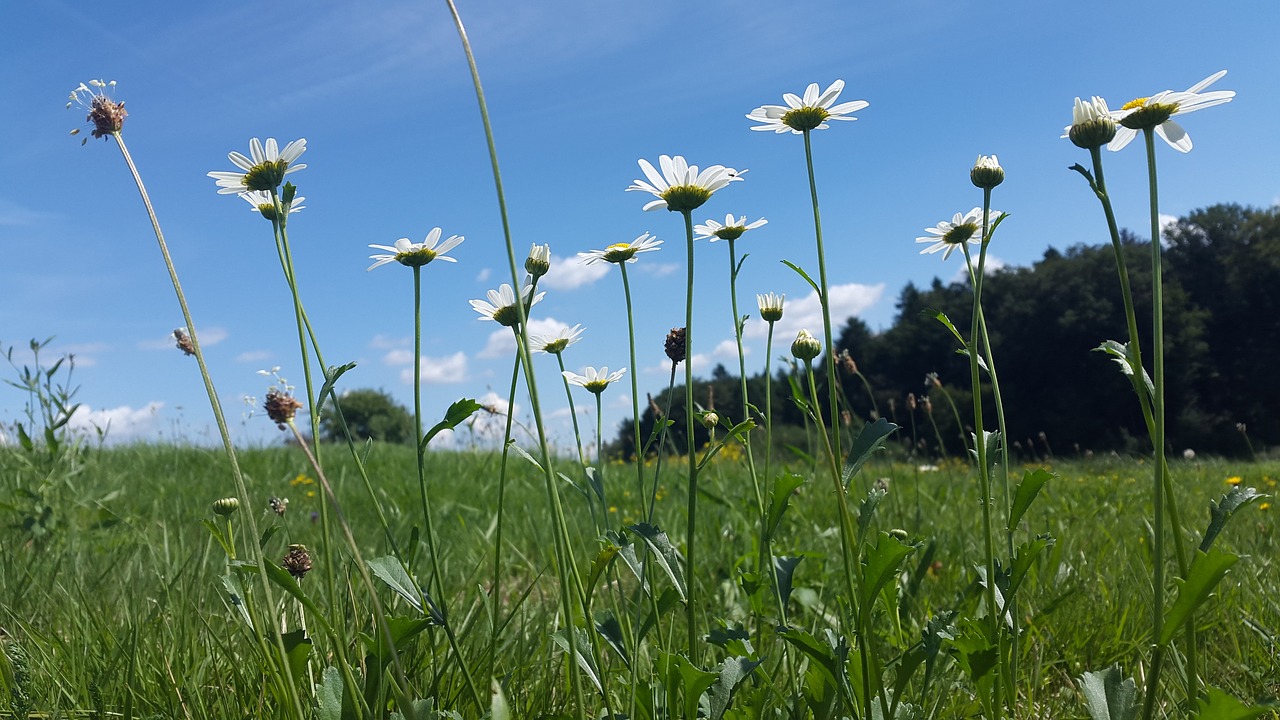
<point>411,254</point>
<point>811,112</point>
<point>263,170</point>
<point>619,253</point>
<point>555,343</point>
<point>947,236</point>
<point>501,307</point>
<point>730,230</point>
<point>680,187</point>
<point>261,201</point>
<point>595,381</point>
<point>1158,110</point>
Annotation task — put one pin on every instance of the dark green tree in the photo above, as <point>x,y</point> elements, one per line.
<point>369,415</point>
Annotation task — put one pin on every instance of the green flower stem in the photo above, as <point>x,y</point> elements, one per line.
<point>564,562</point>
<point>496,590</point>
<point>690,446</point>
<point>764,561</point>
<point>826,303</point>
<point>768,403</point>
<point>1158,434</point>
<point>635,391</point>
<point>259,632</point>
<point>663,438</point>
<point>984,479</point>
<point>427,515</point>
<point>573,413</point>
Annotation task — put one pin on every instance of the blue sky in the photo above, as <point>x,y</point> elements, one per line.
<point>578,92</point>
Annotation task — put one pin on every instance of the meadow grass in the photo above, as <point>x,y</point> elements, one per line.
<point>120,605</point>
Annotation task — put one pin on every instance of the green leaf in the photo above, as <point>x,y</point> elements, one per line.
<point>24,439</point>
<point>882,564</point>
<point>267,534</point>
<point>667,600</point>
<point>498,708</point>
<point>664,553</point>
<point>611,630</point>
<point>1206,571</point>
<point>946,322</point>
<point>524,454</point>
<point>582,651</point>
<point>329,695</point>
<point>784,486</point>
<point>1217,705</point>
<point>1024,557</point>
<point>389,570</point>
<point>785,567</point>
<point>453,417</point>
<point>297,649</point>
<point>825,659</point>
<point>867,443</point>
<point>730,674</point>
<point>1120,353</point>
<point>1032,481</point>
<point>1222,511</point>
<point>331,378</point>
<point>235,595</point>
<point>1108,695</point>
<point>735,433</point>
<point>803,274</point>
<point>603,559</point>
<point>866,509</point>
<point>216,531</point>
<point>692,681</point>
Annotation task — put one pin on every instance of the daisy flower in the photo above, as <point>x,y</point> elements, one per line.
<point>622,252</point>
<point>770,306</point>
<point>595,381</point>
<point>811,112</point>
<point>260,201</point>
<point>730,230</point>
<point>264,170</point>
<point>949,235</point>
<point>680,187</point>
<point>104,113</point>
<point>501,307</point>
<point>1158,111</point>
<point>539,261</point>
<point>555,343</point>
<point>412,254</point>
<point>1091,124</point>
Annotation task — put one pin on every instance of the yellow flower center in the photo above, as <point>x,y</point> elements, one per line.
<point>1134,103</point>
<point>683,198</point>
<point>806,118</point>
<point>266,175</point>
<point>619,252</point>
<point>960,234</point>
<point>416,258</point>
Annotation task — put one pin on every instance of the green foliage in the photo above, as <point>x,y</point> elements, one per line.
<point>368,415</point>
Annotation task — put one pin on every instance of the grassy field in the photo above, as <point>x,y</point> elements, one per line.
<point>112,598</point>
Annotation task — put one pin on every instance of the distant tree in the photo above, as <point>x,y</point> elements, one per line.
<point>369,414</point>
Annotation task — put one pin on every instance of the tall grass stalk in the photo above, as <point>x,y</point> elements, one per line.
<point>563,557</point>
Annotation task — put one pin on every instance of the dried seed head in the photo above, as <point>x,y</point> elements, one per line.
<point>278,505</point>
<point>280,407</point>
<point>675,344</point>
<point>911,402</point>
<point>846,362</point>
<point>297,561</point>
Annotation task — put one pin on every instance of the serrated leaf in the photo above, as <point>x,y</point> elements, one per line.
<point>1206,571</point>
<point>1108,695</point>
<point>453,417</point>
<point>824,658</point>
<point>1120,353</point>
<point>1222,511</point>
<point>691,680</point>
<point>581,650</point>
<point>235,595</point>
<point>883,563</point>
<point>1217,705</point>
<point>1028,489</point>
<point>730,674</point>
<point>664,553</point>
<point>329,695</point>
<point>867,509</point>
<point>784,486</point>
<point>1025,557</point>
<point>785,567</point>
<point>869,440</point>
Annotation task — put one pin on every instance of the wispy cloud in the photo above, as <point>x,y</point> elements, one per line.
<point>119,423</point>
<point>253,356</point>
<point>386,342</point>
<point>659,269</point>
<point>806,313</point>
<point>438,370</point>
<point>567,274</point>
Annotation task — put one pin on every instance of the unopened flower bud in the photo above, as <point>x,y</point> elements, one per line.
<point>710,419</point>
<point>539,260</point>
<point>806,346</point>
<point>226,506</point>
<point>986,172</point>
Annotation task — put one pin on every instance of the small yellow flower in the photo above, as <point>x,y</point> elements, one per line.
<point>1234,480</point>
<point>311,493</point>
<point>1264,506</point>
<point>301,479</point>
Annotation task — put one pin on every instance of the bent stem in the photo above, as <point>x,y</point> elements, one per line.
<point>224,433</point>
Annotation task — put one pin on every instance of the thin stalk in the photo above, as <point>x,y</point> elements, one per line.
<point>635,389</point>
<point>427,515</point>
<point>690,527</point>
<point>563,553</point>
<point>573,413</point>
<point>768,403</point>
<point>224,433</point>
<point>497,546</point>
<point>826,303</point>
<point>1158,436</point>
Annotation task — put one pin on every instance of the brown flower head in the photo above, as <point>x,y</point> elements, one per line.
<point>675,344</point>
<point>280,407</point>
<point>183,341</point>
<point>104,113</point>
<point>297,561</point>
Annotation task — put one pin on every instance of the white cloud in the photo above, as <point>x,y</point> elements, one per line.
<point>806,313</point>
<point>383,342</point>
<point>483,275</point>
<point>569,274</point>
<point>398,356</point>
<point>729,349</point>
<point>436,371</point>
<point>119,423</point>
<point>253,356</point>
<point>659,269</point>
<point>1166,222</point>
<point>993,264</point>
<point>502,342</point>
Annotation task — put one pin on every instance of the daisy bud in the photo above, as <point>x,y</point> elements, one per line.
<point>226,506</point>
<point>806,347</point>
<point>1091,124</point>
<point>539,260</point>
<point>986,172</point>
<point>710,419</point>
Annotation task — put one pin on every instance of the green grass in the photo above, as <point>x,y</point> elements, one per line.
<point>120,606</point>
